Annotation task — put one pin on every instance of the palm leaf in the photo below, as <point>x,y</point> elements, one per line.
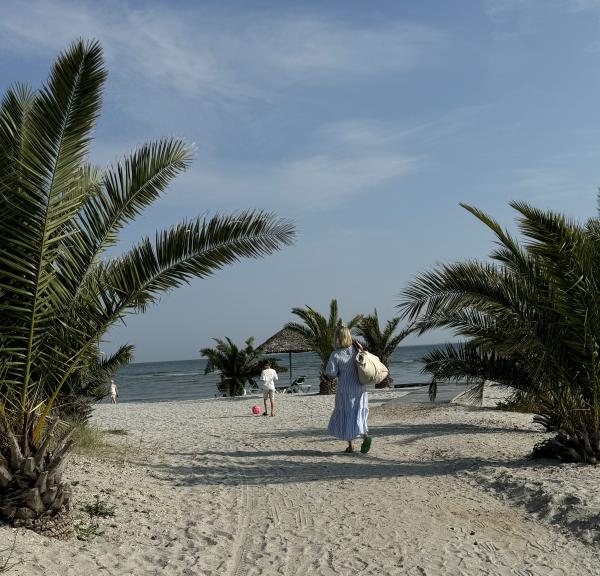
<point>54,142</point>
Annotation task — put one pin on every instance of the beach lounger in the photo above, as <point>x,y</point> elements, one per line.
<point>298,385</point>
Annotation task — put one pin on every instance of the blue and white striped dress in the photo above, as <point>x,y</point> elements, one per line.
<point>349,418</point>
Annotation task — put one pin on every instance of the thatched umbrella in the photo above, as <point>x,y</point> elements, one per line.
<point>285,341</point>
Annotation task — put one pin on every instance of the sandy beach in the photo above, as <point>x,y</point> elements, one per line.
<point>206,488</point>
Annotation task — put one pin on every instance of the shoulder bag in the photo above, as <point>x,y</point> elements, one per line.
<point>371,369</point>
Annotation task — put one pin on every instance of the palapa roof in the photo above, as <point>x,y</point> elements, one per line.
<point>285,340</point>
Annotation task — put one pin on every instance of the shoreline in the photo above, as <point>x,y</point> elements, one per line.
<point>204,487</point>
<point>399,391</point>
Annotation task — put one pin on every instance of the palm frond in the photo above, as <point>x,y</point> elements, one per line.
<point>381,343</point>
<point>54,140</point>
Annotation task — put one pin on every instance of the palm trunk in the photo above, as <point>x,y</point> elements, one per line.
<point>578,440</point>
<point>327,386</point>
<point>32,493</point>
<point>385,383</point>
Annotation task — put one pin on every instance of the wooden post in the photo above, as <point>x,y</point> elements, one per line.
<point>290,367</point>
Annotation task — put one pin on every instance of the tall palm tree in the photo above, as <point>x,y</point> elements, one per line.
<point>320,332</point>
<point>537,306</point>
<point>59,292</point>
<point>381,343</point>
<point>237,366</point>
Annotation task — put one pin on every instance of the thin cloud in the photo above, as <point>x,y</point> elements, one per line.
<point>304,185</point>
<point>195,55</point>
<point>548,183</point>
<point>182,57</point>
<point>500,10</point>
<point>583,5</point>
<point>349,159</point>
<point>316,47</point>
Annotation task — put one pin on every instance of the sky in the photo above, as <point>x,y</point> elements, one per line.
<point>366,123</point>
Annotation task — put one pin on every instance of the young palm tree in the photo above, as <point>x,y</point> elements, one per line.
<point>536,307</point>
<point>59,292</point>
<point>382,344</point>
<point>237,366</point>
<point>320,332</point>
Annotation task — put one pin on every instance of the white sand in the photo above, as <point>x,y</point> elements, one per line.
<point>207,488</point>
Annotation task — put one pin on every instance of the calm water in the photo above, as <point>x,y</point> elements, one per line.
<point>185,379</point>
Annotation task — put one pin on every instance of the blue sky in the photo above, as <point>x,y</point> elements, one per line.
<point>364,122</point>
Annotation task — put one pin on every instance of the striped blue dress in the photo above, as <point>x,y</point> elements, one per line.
<point>349,418</point>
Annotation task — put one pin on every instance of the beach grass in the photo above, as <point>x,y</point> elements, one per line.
<point>88,437</point>
<point>90,440</point>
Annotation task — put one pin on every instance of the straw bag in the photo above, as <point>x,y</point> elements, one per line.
<point>371,369</point>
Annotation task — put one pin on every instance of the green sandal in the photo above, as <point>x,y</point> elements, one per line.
<point>366,445</point>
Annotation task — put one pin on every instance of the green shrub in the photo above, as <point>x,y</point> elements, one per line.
<point>99,509</point>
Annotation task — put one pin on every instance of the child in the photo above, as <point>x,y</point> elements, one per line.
<point>268,377</point>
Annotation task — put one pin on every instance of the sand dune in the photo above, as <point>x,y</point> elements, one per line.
<point>205,488</point>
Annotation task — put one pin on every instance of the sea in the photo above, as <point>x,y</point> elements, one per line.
<point>185,379</point>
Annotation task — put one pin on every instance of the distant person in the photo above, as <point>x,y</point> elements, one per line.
<point>268,377</point>
<point>114,392</point>
<point>351,411</point>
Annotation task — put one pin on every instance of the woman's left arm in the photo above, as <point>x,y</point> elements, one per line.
<point>331,370</point>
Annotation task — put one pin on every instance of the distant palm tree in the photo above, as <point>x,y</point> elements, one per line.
<point>238,366</point>
<point>320,333</point>
<point>532,319</point>
<point>59,291</point>
<point>382,344</point>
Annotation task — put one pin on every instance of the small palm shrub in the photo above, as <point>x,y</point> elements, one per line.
<point>531,318</point>
<point>238,366</point>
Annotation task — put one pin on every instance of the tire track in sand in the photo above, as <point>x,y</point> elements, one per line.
<point>238,548</point>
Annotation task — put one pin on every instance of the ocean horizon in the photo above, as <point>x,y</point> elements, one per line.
<point>185,379</point>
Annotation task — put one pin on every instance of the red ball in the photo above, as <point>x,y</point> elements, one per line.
<point>255,409</point>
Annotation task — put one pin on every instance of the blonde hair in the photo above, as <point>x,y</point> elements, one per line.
<point>343,338</point>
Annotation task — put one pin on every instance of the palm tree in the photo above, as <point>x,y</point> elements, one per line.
<point>320,333</point>
<point>59,291</point>
<point>238,366</point>
<point>536,311</point>
<point>382,344</point>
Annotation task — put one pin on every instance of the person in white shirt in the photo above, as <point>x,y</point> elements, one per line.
<point>268,377</point>
<point>114,392</point>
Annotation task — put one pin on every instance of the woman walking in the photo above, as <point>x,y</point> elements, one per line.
<point>349,418</point>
